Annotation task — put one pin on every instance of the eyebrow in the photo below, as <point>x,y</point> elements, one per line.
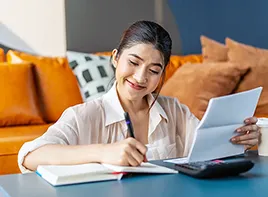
<point>155,64</point>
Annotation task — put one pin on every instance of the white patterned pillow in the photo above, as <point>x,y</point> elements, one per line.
<point>93,73</point>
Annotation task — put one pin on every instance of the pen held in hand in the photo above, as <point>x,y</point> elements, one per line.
<point>130,129</point>
<point>129,125</point>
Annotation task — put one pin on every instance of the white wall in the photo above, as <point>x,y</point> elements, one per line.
<point>35,26</point>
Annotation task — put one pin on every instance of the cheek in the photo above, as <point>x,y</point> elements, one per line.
<point>155,80</point>
<point>123,70</point>
<point>121,73</point>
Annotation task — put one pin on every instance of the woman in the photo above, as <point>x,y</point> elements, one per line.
<point>96,131</point>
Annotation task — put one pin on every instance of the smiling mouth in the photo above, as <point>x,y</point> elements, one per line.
<point>135,86</point>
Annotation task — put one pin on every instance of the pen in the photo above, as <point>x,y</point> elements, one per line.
<point>129,125</point>
<point>130,128</point>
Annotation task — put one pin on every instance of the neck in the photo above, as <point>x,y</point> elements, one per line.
<point>133,106</point>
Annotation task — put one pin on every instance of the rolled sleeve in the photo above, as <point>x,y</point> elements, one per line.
<point>64,132</point>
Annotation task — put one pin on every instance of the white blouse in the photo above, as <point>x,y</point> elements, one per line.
<point>170,133</point>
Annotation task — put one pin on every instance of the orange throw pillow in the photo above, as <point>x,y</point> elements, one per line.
<point>257,59</point>
<point>2,55</point>
<point>18,101</point>
<point>212,50</point>
<point>105,53</point>
<point>195,84</point>
<point>57,86</point>
<point>243,53</point>
<point>177,61</point>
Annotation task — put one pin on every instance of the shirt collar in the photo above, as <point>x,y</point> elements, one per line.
<point>114,111</point>
<point>156,109</point>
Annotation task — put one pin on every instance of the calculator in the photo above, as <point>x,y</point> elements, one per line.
<point>215,168</point>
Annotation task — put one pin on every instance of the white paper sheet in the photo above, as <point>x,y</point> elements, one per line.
<point>223,116</point>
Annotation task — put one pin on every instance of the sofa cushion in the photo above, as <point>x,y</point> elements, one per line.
<point>212,50</point>
<point>12,138</point>
<point>177,61</point>
<point>56,83</point>
<point>93,72</point>
<point>9,164</point>
<point>18,100</point>
<point>2,55</point>
<point>195,84</point>
<point>257,59</point>
<point>242,53</point>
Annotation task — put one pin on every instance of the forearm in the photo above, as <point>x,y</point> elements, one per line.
<point>63,154</point>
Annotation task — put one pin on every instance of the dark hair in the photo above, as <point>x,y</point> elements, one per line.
<point>147,32</point>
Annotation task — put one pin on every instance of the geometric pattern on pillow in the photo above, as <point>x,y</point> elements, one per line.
<point>93,73</point>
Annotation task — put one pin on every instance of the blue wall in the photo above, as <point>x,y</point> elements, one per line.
<point>242,20</point>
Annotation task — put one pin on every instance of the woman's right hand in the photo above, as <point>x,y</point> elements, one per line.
<point>128,152</point>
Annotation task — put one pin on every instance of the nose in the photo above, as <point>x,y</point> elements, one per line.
<point>140,76</point>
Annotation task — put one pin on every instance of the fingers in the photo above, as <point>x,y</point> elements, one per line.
<point>137,156</point>
<point>251,138</point>
<point>249,134</point>
<point>249,143</point>
<point>138,145</point>
<point>129,155</point>
<point>251,120</point>
<point>136,152</point>
<point>246,137</point>
<point>246,128</point>
<point>132,161</point>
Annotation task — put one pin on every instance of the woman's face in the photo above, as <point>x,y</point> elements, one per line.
<point>138,70</point>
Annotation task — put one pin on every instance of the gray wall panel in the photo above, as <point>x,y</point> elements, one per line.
<point>97,25</point>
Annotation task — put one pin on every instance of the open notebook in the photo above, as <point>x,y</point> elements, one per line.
<point>92,172</point>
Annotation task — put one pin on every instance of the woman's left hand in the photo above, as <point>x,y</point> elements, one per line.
<point>248,134</point>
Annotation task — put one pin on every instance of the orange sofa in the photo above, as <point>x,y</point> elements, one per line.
<point>43,96</point>
<point>34,93</point>
<point>36,90</point>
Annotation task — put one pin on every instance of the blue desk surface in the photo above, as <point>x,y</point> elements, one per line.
<point>253,183</point>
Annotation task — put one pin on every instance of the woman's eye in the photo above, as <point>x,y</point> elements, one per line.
<point>133,63</point>
<point>154,72</point>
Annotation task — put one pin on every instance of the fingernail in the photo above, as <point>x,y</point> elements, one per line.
<point>233,139</point>
<point>247,120</point>
<point>238,130</point>
<point>145,159</point>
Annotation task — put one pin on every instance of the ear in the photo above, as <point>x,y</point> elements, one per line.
<point>114,57</point>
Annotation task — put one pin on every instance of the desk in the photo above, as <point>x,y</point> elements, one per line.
<point>251,184</point>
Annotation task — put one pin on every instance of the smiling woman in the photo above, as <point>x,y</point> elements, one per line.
<point>140,69</point>
<point>96,131</point>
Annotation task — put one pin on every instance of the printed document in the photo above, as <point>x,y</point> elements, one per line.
<point>223,116</point>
